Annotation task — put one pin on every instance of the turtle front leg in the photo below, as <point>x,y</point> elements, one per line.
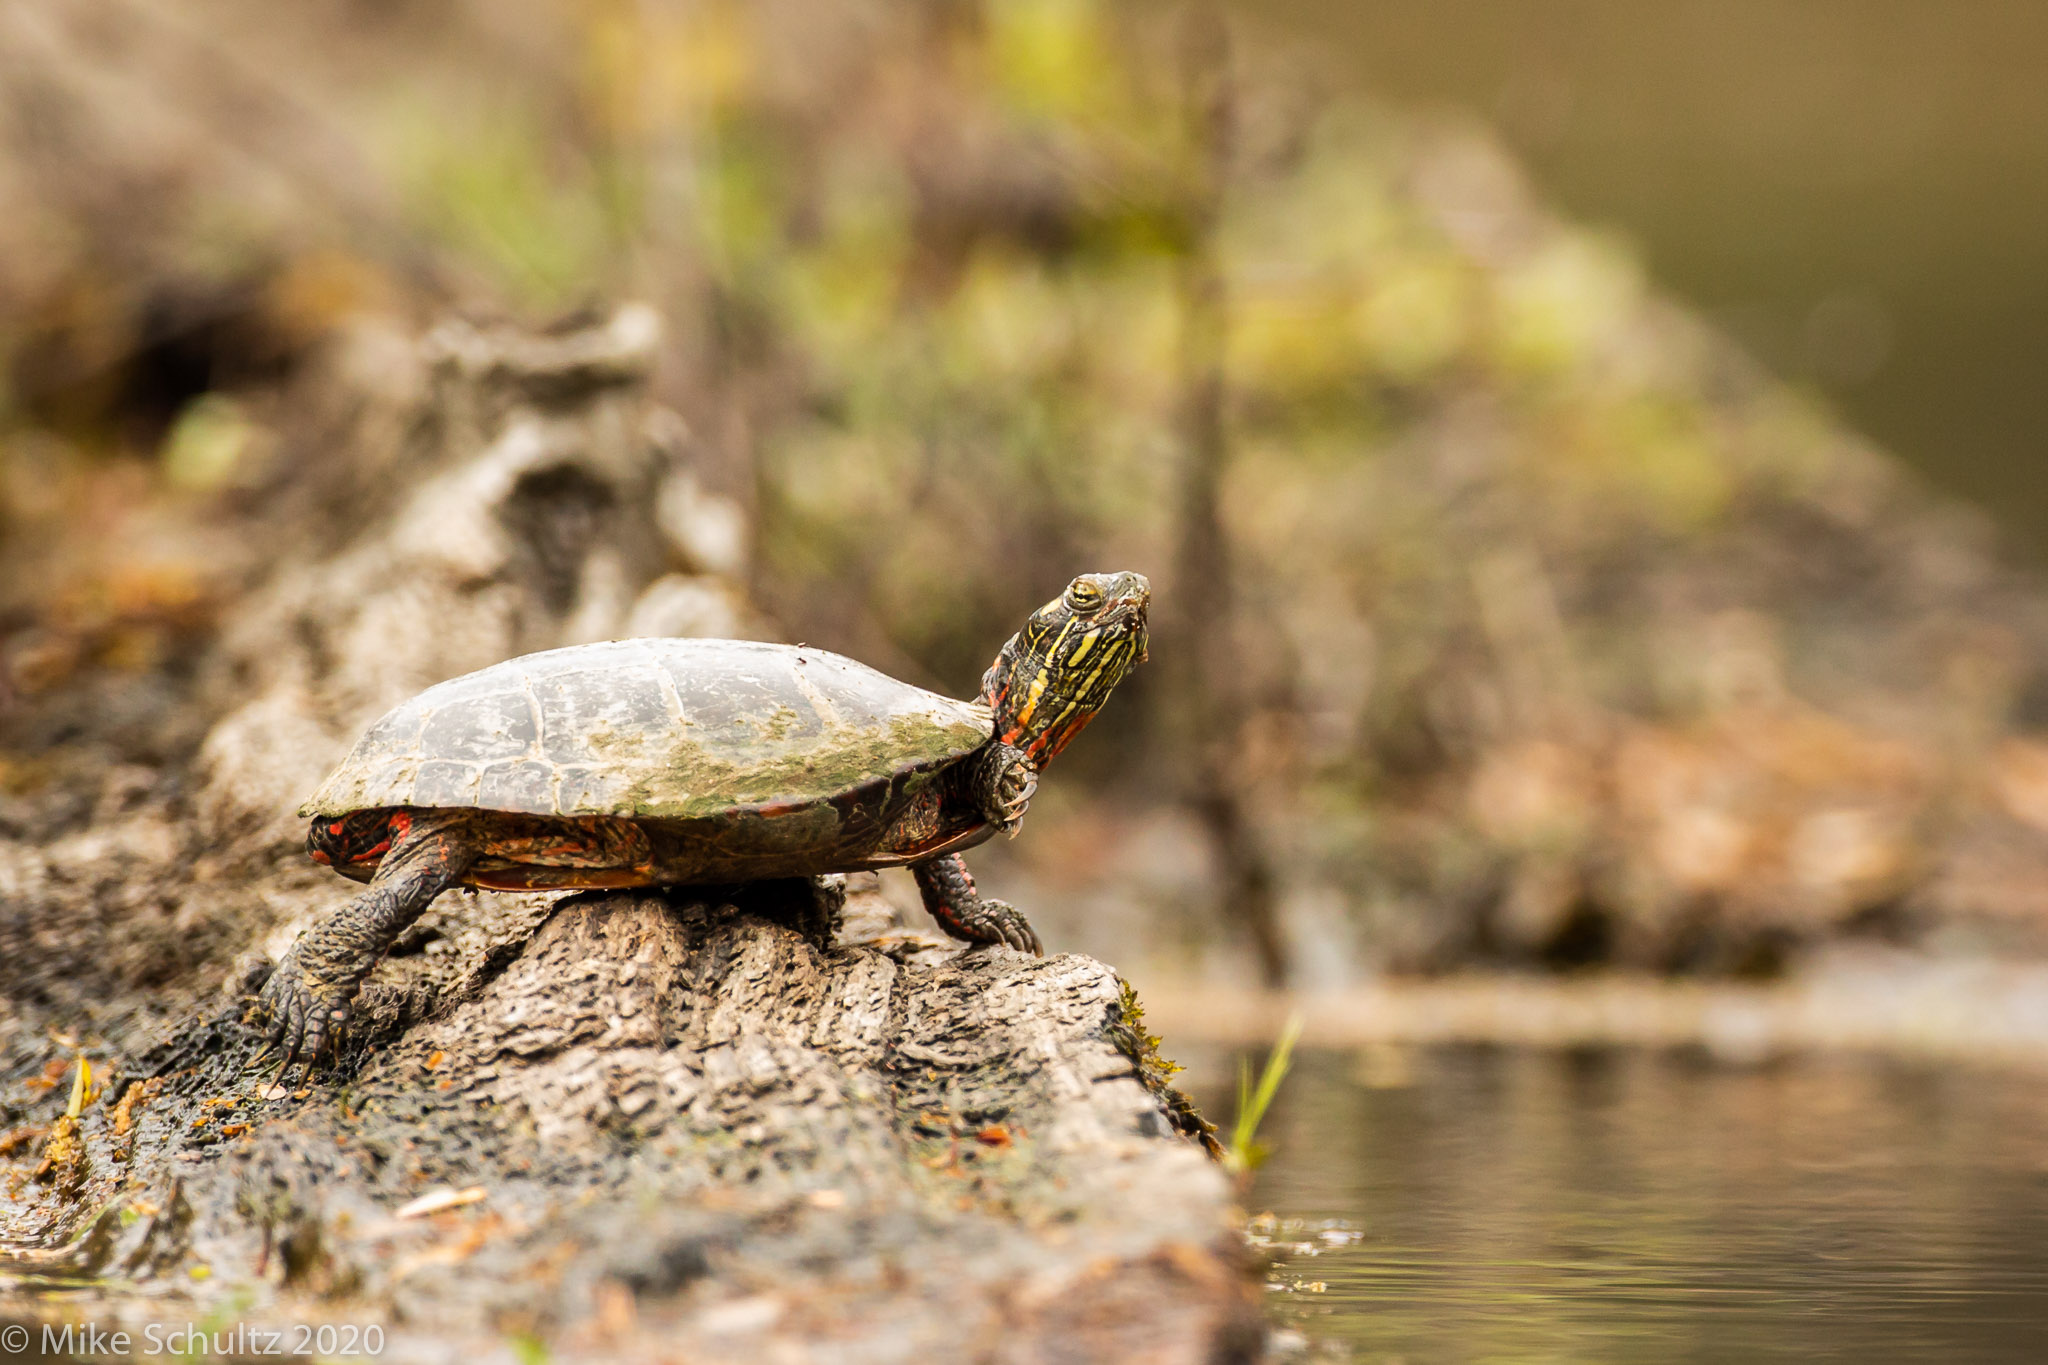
<point>1004,781</point>
<point>949,894</point>
<point>307,998</point>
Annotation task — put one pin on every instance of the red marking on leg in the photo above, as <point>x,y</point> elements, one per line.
<point>948,911</point>
<point>397,827</point>
<point>1052,741</point>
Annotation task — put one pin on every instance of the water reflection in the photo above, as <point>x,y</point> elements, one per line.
<point>1610,1206</point>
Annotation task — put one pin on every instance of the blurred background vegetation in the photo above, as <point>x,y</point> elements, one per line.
<point>1509,611</point>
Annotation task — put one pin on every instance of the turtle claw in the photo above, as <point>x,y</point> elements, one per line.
<point>1005,788</point>
<point>1005,924</point>
<point>1020,784</point>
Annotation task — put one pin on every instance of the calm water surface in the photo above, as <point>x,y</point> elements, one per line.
<point>1469,1205</point>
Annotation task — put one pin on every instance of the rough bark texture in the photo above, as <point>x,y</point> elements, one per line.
<point>708,1128</point>
<point>700,1134</point>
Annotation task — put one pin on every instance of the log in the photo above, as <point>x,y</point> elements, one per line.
<point>668,1129</point>
<point>741,1126</point>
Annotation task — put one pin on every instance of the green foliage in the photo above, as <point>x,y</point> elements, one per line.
<point>487,185</point>
<point>1245,1153</point>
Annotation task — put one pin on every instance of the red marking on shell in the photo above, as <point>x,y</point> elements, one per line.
<point>558,878</point>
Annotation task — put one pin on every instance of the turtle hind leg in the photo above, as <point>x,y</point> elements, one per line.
<point>822,909</point>
<point>812,906</point>
<point>307,998</point>
<point>949,894</point>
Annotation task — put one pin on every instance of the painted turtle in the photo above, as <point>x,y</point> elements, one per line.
<point>693,762</point>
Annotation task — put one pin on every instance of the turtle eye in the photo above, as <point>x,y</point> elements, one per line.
<point>1083,595</point>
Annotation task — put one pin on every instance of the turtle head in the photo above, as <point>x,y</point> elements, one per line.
<point>1055,674</point>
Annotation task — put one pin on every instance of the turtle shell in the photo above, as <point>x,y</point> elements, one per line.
<point>656,729</point>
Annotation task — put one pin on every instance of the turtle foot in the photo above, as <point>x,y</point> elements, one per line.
<point>306,1011</point>
<point>992,922</point>
<point>949,895</point>
<point>1006,783</point>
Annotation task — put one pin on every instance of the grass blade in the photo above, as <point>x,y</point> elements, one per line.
<point>1246,1153</point>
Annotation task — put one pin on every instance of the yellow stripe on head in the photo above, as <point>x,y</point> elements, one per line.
<point>1056,672</point>
<point>1109,657</point>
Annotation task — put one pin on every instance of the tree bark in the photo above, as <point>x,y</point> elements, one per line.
<point>1209,640</point>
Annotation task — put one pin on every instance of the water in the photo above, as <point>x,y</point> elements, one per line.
<point>1487,1204</point>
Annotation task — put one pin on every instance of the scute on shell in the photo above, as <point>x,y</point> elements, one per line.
<point>663,728</point>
